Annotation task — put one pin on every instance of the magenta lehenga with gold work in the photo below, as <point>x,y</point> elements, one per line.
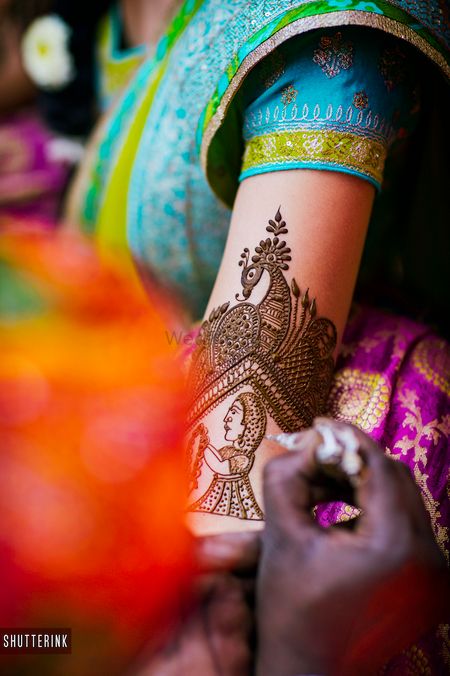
<point>392,381</point>
<point>236,89</point>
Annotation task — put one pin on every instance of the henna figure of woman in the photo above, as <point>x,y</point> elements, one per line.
<point>230,492</point>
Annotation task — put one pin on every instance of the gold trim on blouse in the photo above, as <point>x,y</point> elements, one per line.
<point>316,146</point>
<point>338,18</point>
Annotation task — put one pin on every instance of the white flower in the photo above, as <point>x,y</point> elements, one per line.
<point>45,52</point>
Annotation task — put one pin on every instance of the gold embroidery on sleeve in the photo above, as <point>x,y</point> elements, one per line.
<point>289,95</point>
<point>333,55</point>
<point>313,146</point>
<point>361,100</point>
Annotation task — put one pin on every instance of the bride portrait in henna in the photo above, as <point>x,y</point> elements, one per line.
<point>230,492</point>
<point>279,166</point>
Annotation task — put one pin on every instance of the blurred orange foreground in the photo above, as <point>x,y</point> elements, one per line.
<point>91,483</point>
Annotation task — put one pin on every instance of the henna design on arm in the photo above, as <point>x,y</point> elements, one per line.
<point>279,349</point>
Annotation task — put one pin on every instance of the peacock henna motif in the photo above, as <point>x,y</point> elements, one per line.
<point>279,350</point>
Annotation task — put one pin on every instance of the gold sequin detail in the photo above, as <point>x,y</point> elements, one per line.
<point>361,100</point>
<point>333,55</point>
<point>347,513</point>
<point>289,95</point>
<point>359,398</point>
<point>335,148</point>
<point>417,662</point>
<point>337,19</point>
<point>432,360</point>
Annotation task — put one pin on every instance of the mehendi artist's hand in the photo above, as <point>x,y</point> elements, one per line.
<point>339,601</point>
<point>214,637</point>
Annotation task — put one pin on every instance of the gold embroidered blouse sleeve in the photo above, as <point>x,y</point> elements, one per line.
<point>265,352</point>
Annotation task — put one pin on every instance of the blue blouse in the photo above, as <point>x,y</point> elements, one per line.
<point>331,99</point>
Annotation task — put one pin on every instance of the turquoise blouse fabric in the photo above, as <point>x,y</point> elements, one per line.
<point>159,184</point>
<point>332,99</point>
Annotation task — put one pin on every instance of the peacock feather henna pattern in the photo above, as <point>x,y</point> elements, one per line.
<point>272,358</point>
<point>278,347</point>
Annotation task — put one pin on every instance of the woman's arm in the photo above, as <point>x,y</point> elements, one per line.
<point>326,216</point>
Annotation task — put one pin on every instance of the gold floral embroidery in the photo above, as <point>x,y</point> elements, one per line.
<point>359,398</point>
<point>432,360</point>
<point>272,68</point>
<point>333,55</point>
<point>413,422</point>
<point>336,148</point>
<point>417,662</point>
<point>289,95</point>
<point>361,100</point>
<point>347,513</point>
<point>392,66</point>
<point>432,505</point>
<point>299,27</point>
<point>443,633</point>
<point>432,431</point>
<point>440,532</point>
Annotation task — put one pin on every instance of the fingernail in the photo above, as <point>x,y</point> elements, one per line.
<point>339,447</point>
<point>291,442</point>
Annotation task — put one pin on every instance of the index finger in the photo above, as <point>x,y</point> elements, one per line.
<point>288,487</point>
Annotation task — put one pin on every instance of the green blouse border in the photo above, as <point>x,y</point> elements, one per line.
<point>377,14</point>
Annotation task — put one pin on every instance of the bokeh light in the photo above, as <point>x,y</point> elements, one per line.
<point>91,477</point>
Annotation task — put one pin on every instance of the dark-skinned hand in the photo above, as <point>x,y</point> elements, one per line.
<point>214,635</point>
<point>339,601</point>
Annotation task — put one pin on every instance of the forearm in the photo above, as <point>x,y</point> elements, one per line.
<point>327,216</point>
<point>277,312</point>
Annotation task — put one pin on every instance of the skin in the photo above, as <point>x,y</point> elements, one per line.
<point>328,602</point>
<point>146,20</point>
<point>216,638</point>
<point>327,215</point>
<point>339,601</point>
